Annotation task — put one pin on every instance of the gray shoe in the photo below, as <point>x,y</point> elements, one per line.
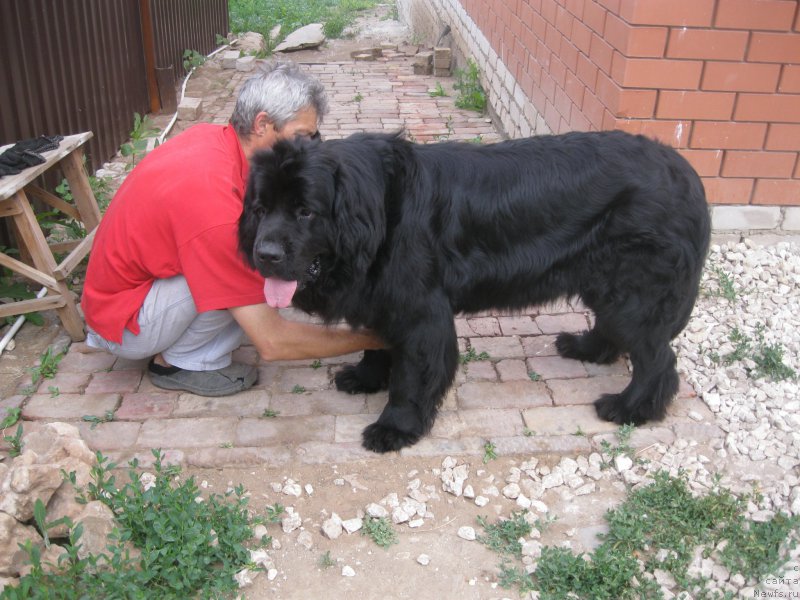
<point>220,382</point>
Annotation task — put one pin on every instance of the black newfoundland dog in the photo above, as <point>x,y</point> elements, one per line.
<point>398,237</point>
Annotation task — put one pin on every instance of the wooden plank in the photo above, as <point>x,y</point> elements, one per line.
<point>9,185</point>
<point>72,165</point>
<point>75,257</point>
<point>25,306</point>
<point>9,208</point>
<point>31,235</point>
<point>37,193</point>
<point>28,272</point>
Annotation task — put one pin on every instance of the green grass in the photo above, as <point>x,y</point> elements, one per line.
<point>47,367</point>
<point>470,93</point>
<point>380,530</point>
<point>262,15</point>
<point>768,358</point>
<point>471,355</point>
<point>188,549</point>
<point>489,452</point>
<point>660,525</point>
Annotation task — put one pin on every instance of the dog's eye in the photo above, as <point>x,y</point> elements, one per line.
<point>304,214</point>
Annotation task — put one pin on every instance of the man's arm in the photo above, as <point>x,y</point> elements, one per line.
<point>276,338</point>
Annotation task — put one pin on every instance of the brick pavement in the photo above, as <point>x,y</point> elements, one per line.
<point>524,398</point>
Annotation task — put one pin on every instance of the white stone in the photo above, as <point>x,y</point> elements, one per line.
<point>310,36</point>
<point>347,571</point>
<point>352,525</point>
<point>466,533</point>
<point>424,560</point>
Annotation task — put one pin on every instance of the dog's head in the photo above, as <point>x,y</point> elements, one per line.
<point>313,211</point>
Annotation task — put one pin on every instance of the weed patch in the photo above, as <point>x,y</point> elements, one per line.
<point>470,93</point>
<point>380,530</point>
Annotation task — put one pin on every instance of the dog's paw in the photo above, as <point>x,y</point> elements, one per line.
<point>379,438</point>
<point>613,408</point>
<point>351,379</point>
<point>568,346</point>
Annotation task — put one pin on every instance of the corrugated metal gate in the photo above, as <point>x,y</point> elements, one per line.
<point>86,65</point>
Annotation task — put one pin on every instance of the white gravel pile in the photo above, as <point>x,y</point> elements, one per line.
<point>749,310</point>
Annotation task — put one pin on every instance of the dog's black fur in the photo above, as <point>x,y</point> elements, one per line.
<point>403,236</point>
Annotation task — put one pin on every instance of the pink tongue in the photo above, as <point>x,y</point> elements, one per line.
<point>279,292</point>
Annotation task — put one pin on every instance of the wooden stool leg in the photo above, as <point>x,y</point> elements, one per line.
<point>33,239</point>
<point>85,202</point>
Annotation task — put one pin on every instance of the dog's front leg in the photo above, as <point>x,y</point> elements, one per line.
<point>424,363</point>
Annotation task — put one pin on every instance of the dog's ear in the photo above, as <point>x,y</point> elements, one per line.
<point>359,205</point>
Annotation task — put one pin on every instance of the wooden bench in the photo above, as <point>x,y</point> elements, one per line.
<point>16,192</point>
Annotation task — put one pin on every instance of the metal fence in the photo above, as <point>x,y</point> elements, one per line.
<point>87,65</point>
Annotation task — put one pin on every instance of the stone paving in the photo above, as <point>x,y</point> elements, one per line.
<point>523,398</point>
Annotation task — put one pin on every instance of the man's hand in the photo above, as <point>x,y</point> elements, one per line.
<point>276,338</point>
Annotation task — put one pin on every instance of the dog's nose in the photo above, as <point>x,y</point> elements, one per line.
<point>270,252</point>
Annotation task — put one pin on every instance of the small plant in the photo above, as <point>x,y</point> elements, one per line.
<point>326,560</point>
<point>192,59</point>
<point>12,416</point>
<point>478,139</point>
<point>137,146</point>
<point>54,391</point>
<point>471,355</point>
<point>438,91</point>
<point>317,364</point>
<point>768,358</point>
<point>274,513</point>
<point>226,445</point>
<point>47,367</point>
<point>726,289</point>
<point>503,537</point>
<point>489,452</point>
<point>14,442</point>
<point>380,530</point>
<point>528,432</point>
<point>358,97</point>
<point>95,420</point>
<point>470,93</point>
<point>623,447</point>
<point>269,413</point>
<point>534,376</point>
<point>101,189</point>
<point>298,389</point>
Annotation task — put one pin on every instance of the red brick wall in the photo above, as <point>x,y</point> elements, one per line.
<point>717,79</point>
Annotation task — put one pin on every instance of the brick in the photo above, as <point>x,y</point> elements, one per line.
<point>251,403</point>
<point>755,14</point>
<point>635,41</point>
<point>601,53</point>
<point>708,44</point>
<point>484,326</point>
<point>77,362</point>
<point>110,436</point>
<point>673,133</point>
<point>620,367</point>
<point>308,378</point>
<point>190,109</point>
<point>594,16</point>
<point>229,59</point>
<point>642,437</point>
<point>67,383</point>
<point>790,80</point>
<point>695,105</point>
<point>566,421</point>
<point>114,381</point>
<point>325,402</point>
<point>745,163</point>
<point>726,190</point>
<point>740,77</point>
<point>498,347</point>
<point>317,453</point>
<point>657,73</point>
<point>187,433</point>
<point>706,162</point>
<point>570,322</point>
<point>586,390</point>
<point>765,107</point>
<point>284,430</point>
<point>218,458</point>
<point>774,47</point>
<point>518,325</point>
<point>482,370</point>
<point>745,217</point>
<point>624,102</point>
<point>581,36</point>
<point>540,345</point>
<point>141,407</point>
<point>556,367</point>
<point>486,423</point>
<point>69,407</point>
<point>508,394</point>
<point>438,447</point>
<point>350,427</point>
<point>512,369</point>
<point>791,220</point>
<point>783,136</point>
<point>777,191</point>
<point>728,135</point>
<point>689,13</point>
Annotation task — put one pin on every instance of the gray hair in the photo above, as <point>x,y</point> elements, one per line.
<point>281,90</point>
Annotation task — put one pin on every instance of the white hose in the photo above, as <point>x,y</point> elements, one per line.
<point>17,325</point>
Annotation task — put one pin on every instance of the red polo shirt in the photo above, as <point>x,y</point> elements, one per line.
<point>176,213</point>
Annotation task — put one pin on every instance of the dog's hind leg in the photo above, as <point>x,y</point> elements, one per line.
<point>370,375</point>
<point>653,385</point>
<point>590,346</point>
<point>423,367</point>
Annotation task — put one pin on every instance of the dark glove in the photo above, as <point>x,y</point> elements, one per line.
<point>26,154</point>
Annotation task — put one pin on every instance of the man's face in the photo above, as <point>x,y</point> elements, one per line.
<point>265,136</point>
